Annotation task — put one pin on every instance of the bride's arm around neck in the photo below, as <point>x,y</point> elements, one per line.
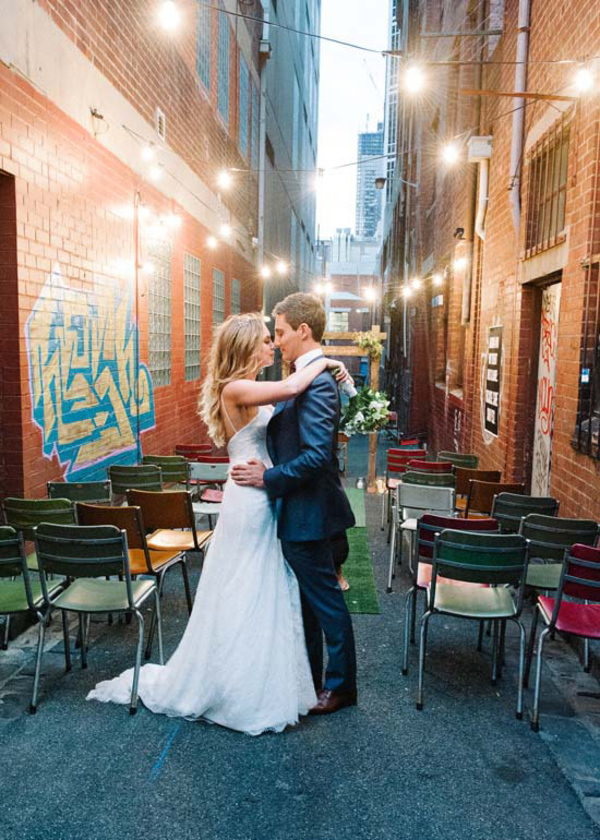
<point>249,392</point>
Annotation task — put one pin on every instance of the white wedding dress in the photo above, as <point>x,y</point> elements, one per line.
<point>242,661</point>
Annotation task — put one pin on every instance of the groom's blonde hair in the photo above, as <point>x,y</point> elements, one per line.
<point>302,308</point>
<point>234,355</point>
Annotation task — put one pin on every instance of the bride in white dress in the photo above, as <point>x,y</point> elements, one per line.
<point>242,661</point>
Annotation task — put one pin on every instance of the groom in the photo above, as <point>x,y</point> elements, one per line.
<point>312,508</point>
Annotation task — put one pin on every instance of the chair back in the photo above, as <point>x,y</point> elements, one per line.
<point>76,551</point>
<point>190,451</point>
<point>397,462</point>
<point>94,492</point>
<point>429,479</point>
<point>476,557</point>
<point>25,515</point>
<point>208,472</point>
<point>170,509</point>
<point>431,524</point>
<point>126,518</point>
<point>13,563</point>
<point>481,494</point>
<point>581,573</point>
<point>464,476</point>
<point>124,478</point>
<point>213,459</point>
<point>431,466</point>
<point>510,508</point>
<point>549,535</point>
<point>414,500</point>
<point>175,469</point>
<point>460,459</point>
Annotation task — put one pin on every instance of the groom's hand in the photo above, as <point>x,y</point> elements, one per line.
<point>249,474</point>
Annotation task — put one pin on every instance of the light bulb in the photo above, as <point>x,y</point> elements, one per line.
<point>327,288</point>
<point>319,288</point>
<point>148,152</point>
<point>282,267</point>
<point>459,263</point>
<point>584,80</point>
<point>406,291</point>
<point>155,173</point>
<point>414,79</point>
<point>212,243</point>
<point>265,272</point>
<point>224,180</point>
<point>169,15</point>
<point>173,220</point>
<point>148,267</point>
<point>450,153</point>
<point>225,231</point>
<point>437,279</point>
<point>369,293</point>
<point>416,283</point>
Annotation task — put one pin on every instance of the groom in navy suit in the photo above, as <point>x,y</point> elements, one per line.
<point>313,511</point>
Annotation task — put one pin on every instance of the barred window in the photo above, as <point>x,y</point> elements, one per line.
<point>191,315</point>
<point>236,297</point>
<point>587,429</point>
<point>243,107</point>
<point>203,37</point>
<point>159,312</point>
<point>547,191</point>
<point>255,119</point>
<point>218,297</point>
<point>223,92</point>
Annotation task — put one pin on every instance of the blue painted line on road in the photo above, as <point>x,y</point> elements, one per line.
<point>155,772</point>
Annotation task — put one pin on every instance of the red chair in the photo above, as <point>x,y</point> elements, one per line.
<point>397,464</point>
<point>431,466</point>
<point>428,526</point>
<point>191,451</point>
<point>212,459</point>
<point>580,578</point>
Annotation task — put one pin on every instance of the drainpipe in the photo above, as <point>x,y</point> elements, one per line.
<point>516,149</point>
<point>264,56</point>
<point>482,199</point>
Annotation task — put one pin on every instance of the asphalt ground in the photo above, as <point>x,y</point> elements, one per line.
<point>464,767</point>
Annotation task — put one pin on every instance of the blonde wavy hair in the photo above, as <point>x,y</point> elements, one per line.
<point>234,355</point>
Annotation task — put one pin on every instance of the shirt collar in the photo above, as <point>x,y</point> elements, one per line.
<point>305,358</point>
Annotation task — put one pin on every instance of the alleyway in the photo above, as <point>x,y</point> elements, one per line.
<point>462,768</point>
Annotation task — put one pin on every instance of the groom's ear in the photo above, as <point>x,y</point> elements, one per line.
<point>305,331</point>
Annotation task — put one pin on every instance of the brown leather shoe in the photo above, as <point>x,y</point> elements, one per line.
<point>332,701</point>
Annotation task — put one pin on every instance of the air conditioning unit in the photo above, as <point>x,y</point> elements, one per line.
<point>479,149</point>
<point>161,124</point>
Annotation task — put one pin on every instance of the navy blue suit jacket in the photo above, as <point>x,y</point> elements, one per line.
<point>304,481</point>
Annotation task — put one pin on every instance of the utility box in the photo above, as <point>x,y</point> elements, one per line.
<point>479,149</point>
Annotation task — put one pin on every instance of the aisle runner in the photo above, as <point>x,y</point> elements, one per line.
<point>358,568</point>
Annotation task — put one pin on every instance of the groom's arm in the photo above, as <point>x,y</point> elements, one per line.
<point>317,417</point>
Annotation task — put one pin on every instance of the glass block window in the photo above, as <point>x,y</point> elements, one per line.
<point>191,315</point>
<point>218,297</point>
<point>223,91</point>
<point>203,33</point>
<point>243,106</point>
<point>338,321</point>
<point>159,312</point>
<point>236,297</point>
<point>255,119</point>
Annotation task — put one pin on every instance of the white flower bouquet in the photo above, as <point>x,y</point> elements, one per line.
<point>367,412</point>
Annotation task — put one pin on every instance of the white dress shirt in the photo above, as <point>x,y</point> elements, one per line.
<point>305,358</point>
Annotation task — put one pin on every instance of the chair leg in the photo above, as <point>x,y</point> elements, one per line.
<point>586,656</point>
<point>6,632</point>
<point>43,619</point>
<point>138,662</point>
<point>501,645</point>
<point>422,646</point>
<point>494,652</point>
<point>480,636</point>
<point>186,584</point>
<point>535,715</point>
<point>383,511</point>
<point>391,574</point>
<point>161,654</point>
<point>409,611</point>
<point>413,616</point>
<point>66,640</point>
<point>153,618</point>
<point>81,617</point>
<point>519,712</point>
<point>531,646</point>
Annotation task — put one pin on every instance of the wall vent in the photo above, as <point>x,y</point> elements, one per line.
<point>161,124</point>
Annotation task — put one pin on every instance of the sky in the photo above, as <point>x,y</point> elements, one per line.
<point>352,86</point>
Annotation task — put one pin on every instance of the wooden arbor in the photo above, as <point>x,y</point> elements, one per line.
<point>353,350</point>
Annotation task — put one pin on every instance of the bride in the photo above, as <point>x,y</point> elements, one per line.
<point>242,661</point>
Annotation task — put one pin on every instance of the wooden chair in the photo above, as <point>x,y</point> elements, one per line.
<point>464,477</point>
<point>169,520</point>
<point>480,498</point>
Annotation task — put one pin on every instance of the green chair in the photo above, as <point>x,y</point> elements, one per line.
<point>460,459</point>
<point>510,508</point>
<point>87,556</point>
<point>18,593</point>
<point>124,478</point>
<point>24,515</point>
<point>94,492</point>
<point>175,469</point>
<point>429,479</point>
<point>548,537</point>
<point>498,560</point>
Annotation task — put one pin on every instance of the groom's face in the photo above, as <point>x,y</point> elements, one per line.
<point>289,341</point>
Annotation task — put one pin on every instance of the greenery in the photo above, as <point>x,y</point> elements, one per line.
<point>369,342</point>
<point>367,412</point>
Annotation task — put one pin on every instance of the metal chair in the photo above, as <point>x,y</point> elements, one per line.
<point>206,475</point>
<point>580,579</point>
<point>94,492</point>
<point>548,537</point>
<point>86,555</point>
<point>414,500</point>
<point>431,466</point>
<point>480,498</point>
<point>124,478</point>
<point>174,469</point>
<point>169,520</point>
<point>397,461</point>
<point>142,559</point>
<point>510,508</point>
<point>24,515</point>
<point>191,451</point>
<point>429,479</point>
<point>460,459</point>
<point>463,478</point>
<point>497,561</point>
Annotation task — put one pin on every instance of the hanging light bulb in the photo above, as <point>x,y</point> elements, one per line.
<point>459,263</point>
<point>450,153</point>
<point>169,15</point>
<point>282,268</point>
<point>212,242</point>
<point>148,267</point>
<point>416,283</point>
<point>148,152</point>
<point>319,289</point>
<point>406,291</point>
<point>437,280</point>
<point>584,80</point>
<point>370,293</point>
<point>155,173</point>
<point>173,221</point>
<point>414,79</point>
<point>327,287</point>
<point>265,272</point>
<point>224,180</point>
<point>225,231</point>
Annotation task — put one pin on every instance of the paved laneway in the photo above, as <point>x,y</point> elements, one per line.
<point>462,768</point>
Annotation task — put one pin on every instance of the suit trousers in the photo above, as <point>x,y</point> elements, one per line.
<point>324,612</point>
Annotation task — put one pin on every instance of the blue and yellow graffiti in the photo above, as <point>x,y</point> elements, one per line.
<point>91,398</point>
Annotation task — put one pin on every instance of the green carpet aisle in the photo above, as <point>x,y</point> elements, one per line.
<point>358,568</point>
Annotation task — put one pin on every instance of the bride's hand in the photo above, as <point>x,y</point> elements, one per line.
<point>339,370</point>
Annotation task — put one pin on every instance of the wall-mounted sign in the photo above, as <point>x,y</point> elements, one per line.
<point>492,382</point>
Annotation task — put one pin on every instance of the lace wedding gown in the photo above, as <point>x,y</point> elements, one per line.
<point>242,661</point>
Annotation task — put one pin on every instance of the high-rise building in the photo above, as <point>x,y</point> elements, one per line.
<point>371,166</point>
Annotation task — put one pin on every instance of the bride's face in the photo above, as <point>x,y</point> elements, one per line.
<point>267,350</point>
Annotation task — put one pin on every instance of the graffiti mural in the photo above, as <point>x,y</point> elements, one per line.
<point>544,413</point>
<point>91,398</point>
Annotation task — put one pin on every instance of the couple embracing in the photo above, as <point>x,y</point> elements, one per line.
<point>251,657</point>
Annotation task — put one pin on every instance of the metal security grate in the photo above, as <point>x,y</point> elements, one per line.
<point>548,165</point>
<point>192,277</point>
<point>218,297</point>
<point>159,312</point>
<point>587,428</point>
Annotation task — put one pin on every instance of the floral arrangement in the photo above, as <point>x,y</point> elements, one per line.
<point>367,412</point>
<point>369,342</point>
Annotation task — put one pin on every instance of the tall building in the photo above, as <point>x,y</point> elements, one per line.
<point>371,166</point>
<point>291,87</point>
